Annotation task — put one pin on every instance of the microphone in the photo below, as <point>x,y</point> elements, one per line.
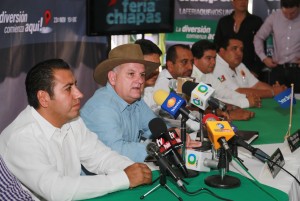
<point>173,104</point>
<point>201,95</point>
<point>159,131</point>
<point>256,152</point>
<point>153,150</point>
<point>176,84</point>
<point>219,132</point>
<point>200,161</point>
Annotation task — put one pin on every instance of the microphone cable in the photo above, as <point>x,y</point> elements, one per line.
<point>255,181</point>
<point>274,163</point>
<point>206,189</point>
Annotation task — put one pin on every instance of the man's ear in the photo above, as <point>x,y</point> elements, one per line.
<point>43,98</point>
<point>112,76</point>
<point>170,67</point>
<point>221,51</point>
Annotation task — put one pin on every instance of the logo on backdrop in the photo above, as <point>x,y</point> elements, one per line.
<point>133,13</point>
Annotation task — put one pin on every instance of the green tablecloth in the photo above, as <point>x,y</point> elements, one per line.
<point>271,121</point>
<point>247,191</point>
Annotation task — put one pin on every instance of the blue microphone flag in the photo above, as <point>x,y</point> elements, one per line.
<point>284,98</point>
<point>172,104</point>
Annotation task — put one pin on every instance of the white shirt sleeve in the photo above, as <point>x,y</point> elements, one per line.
<point>52,170</point>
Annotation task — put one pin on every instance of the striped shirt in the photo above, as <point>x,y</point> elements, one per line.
<point>10,187</point>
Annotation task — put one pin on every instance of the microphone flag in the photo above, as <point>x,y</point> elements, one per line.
<point>173,103</point>
<point>284,98</point>
<point>218,129</point>
<point>175,140</point>
<point>200,95</point>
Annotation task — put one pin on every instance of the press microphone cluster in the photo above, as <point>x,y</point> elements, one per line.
<point>173,104</point>
<point>153,150</point>
<point>202,95</point>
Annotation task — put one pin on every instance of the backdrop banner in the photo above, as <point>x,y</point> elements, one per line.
<point>197,20</point>
<point>30,32</point>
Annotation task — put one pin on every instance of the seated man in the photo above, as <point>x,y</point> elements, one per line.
<point>46,144</point>
<point>116,112</point>
<point>10,187</point>
<point>151,53</point>
<point>233,73</point>
<point>205,53</point>
<point>179,63</point>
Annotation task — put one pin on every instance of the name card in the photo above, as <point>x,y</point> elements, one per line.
<point>293,141</point>
<point>278,162</point>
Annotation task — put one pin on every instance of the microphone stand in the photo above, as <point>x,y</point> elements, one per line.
<point>191,173</point>
<point>162,182</point>
<point>222,180</point>
<point>206,145</point>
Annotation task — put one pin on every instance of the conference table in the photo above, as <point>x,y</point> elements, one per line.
<point>272,123</point>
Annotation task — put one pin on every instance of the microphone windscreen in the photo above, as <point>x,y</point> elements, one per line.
<point>188,87</point>
<point>210,117</point>
<point>160,96</point>
<point>157,126</point>
<point>152,148</point>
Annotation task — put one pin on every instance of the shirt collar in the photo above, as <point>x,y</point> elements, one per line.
<point>197,73</point>
<point>46,126</point>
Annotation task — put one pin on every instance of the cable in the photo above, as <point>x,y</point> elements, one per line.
<point>257,183</point>
<point>274,163</point>
<point>209,191</point>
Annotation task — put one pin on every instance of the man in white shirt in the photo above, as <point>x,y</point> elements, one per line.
<point>46,144</point>
<point>204,53</point>
<point>234,74</point>
<point>179,63</point>
<point>151,53</point>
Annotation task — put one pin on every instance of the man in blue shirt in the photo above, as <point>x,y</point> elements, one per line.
<point>116,112</point>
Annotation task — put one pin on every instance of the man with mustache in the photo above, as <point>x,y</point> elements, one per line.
<point>234,74</point>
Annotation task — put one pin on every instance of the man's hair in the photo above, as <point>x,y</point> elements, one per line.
<point>289,3</point>
<point>148,47</point>
<point>201,46</point>
<point>41,77</point>
<point>172,54</point>
<point>225,42</point>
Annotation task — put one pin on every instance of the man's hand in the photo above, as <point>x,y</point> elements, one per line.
<point>254,101</point>
<point>277,88</point>
<point>138,174</point>
<point>240,114</point>
<point>189,142</point>
<point>269,62</point>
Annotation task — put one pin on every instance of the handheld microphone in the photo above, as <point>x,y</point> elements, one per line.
<point>259,154</point>
<point>173,104</point>
<point>201,95</point>
<point>159,130</point>
<point>152,149</point>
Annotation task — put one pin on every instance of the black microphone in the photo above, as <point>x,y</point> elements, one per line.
<point>159,129</point>
<point>256,152</point>
<point>153,150</point>
<point>188,87</point>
